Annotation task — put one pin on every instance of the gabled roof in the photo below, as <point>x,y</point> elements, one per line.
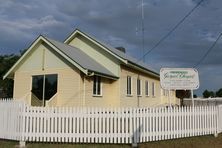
<point>126,59</point>
<point>82,61</point>
<point>73,55</point>
<point>81,58</point>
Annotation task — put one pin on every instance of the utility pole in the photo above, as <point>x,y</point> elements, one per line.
<point>143,32</point>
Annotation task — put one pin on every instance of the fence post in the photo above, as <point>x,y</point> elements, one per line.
<point>22,125</point>
<point>134,123</point>
<point>217,121</point>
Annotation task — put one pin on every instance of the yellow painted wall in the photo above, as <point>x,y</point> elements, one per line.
<point>76,89</point>
<point>43,61</point>
<point>110,93</point>
<point>97,53</point>
<point>169,97</point>
<point>143,100</point>
<point>22,86</point>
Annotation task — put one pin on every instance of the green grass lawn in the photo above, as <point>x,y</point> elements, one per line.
<point>194,142</point>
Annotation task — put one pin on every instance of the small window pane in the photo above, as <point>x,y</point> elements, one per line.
<point>128,85</point>
<point>50,86</point>
<point>138,87</point>
<point>94,85</point>
<point>147,88</point>
<point>153,89</point>
<point>37,86</point>
<point>97,85</point>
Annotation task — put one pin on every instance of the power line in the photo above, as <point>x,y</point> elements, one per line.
<point>208,51</point>
<point>171,31</point>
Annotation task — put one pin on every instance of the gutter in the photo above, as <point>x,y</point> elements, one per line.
<point>140,68</point>
<point>92,73</point>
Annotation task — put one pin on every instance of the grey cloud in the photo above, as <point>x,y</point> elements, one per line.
<point>118,23</point>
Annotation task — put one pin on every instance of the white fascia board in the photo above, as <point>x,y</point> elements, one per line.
<point>94,41</point>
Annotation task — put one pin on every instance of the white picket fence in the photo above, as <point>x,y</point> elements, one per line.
<point>105,125</point>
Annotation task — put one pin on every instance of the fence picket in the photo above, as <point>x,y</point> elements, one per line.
<point>105,125</point>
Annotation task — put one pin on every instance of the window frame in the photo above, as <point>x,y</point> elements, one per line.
<point>129,86</point>
<point>97,83</point>
<point>44,86</point>
<point>139,87</point>
<point>153,89</point>
<point>147,87</point>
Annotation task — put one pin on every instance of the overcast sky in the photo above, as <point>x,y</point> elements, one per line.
<point>118,23</point>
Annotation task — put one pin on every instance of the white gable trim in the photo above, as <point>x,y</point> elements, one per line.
<point>39,39</point>
<point>21,58</point>
<point>95,42</point>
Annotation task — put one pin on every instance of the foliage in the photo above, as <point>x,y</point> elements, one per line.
<point>208,94</point>
<point>183,94</point>
<point>219,93</point>
<point>6,86</point>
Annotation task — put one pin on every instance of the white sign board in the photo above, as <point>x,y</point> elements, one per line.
<point>179,78</point>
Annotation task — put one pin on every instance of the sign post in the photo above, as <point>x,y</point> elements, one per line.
<point>192,98</point>
<point>168,95</point>
<point>179,79</point>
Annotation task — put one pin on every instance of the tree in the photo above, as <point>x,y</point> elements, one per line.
<point>183,94</point>
<point>6,86</point>
<point>208,94</point>
<point>219,93</point>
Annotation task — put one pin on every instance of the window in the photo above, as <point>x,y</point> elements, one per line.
<point>44,86</point>
<point>147,88</point>
<point>37,86</point>
<point>97,89</point>
<point>129,85</point>
<point>153,89</point>
<point>50,86</point>
<point>139,90</point>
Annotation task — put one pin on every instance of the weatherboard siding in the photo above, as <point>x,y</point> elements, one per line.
<point>109,97</point>
<point>39,58</point>
<point>75,88</point>
<point>172,96</point>
<point>70,91</point>
<point>69,88</point>
<point>42,61</point>
<point>97,53</point>
<point>143,100</point>
<point>22,86</point>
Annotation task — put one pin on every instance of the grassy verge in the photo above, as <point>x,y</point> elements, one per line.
<point>193,142</point>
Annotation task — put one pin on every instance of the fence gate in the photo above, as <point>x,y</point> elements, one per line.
<point>220,118</point>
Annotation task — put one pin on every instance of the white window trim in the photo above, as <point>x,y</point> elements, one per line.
<point>140,93</point>
<point>129,95</point>
<point>101,90</point>
<point>147,89</point>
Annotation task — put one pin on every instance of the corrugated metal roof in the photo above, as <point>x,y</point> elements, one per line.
<point>81,58</point>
